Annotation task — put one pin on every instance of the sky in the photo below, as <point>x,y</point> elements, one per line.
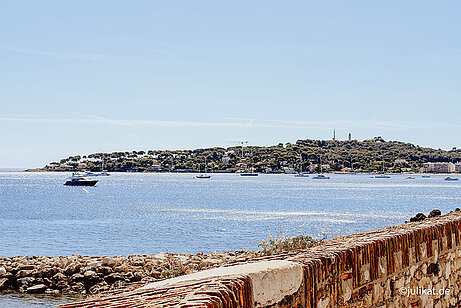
<point>79,77</point>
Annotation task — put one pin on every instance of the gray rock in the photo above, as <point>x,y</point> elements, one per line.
<point>4,283</point>
<point>39,288</point>
<point>24,273</point>
<point>434,213</point>
<point>90,274</point>
<point>25,281</point>
<point>77,278</point>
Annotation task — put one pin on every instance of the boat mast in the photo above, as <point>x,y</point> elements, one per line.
<point>300,163</point>
<point>321,170</point>
<point>383,164</point>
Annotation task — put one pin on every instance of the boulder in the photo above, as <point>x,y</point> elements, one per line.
<point>39,288</point>
<point>72,269</point>
<point>99,287</point>
<point>110,279</point>
<point>2,271</point>
<point>24,273</point>
<point>26,267</point>
<point>418,217</point>
<point>434,213</point>
<point>76,278</point>
<point>4,283</point>
<point>25,281</point>
<point>105,270</point>
<point>78,287</point>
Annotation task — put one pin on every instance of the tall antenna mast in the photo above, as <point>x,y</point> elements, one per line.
<point>242,143</point>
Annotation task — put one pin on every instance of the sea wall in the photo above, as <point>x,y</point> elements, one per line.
<point>417,264</point>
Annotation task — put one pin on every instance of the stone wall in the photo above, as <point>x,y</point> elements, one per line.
<point>401,266</point>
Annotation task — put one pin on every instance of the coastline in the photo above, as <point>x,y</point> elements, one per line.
<point>91,275</point>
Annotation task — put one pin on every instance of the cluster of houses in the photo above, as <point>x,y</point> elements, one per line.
<point>441,167</point>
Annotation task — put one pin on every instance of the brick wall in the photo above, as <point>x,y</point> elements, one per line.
<point>399,266</point>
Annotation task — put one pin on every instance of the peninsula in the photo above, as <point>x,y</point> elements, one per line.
<point>336,156</point>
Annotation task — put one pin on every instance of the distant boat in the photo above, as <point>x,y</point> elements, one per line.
<point>102,173</point>
<point>301,173</point>
<point>450,179</point>
<point>410,178</point>
<point>426,176</point>
<point>320,176</point>
<point>382,175</point>
<point>204,175</point>
<point>78,180</point>
<point>249,174</point>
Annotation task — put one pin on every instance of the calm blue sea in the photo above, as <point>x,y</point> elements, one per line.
<point>130,213</point>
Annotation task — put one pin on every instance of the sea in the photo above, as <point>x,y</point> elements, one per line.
<point>145,213</point>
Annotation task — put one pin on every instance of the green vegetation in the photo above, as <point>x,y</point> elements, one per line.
<point>357,156</point>
<point>284,244</point>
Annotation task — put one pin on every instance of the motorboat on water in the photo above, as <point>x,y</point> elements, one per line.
<point>448,178</point>
<point>79,180</point>
<point>410,177</point>
<point>426,176</point>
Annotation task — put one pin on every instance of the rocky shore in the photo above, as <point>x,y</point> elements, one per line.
<point>100,274</point>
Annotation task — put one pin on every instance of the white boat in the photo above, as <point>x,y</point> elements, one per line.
<point>248,174</point>
<point>203,175</point>
<point>102,173</point>
<point>301,173</point>
<point>450,179</point>
<point>320,176</point>
<point>78,180</point>
<point>382,175</point>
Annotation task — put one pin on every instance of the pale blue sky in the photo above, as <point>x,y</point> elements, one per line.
<point>78,77</point>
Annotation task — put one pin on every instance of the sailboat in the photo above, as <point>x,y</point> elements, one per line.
<point>320,176</point>
<point>204,175</point>
<point>301,173</point>
<point>102,173</point>
<point>382,175</point>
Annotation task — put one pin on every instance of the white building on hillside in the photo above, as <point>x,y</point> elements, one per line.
<point>439,167</point>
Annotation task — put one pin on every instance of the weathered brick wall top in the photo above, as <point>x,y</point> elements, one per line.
<point>357,270</point>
